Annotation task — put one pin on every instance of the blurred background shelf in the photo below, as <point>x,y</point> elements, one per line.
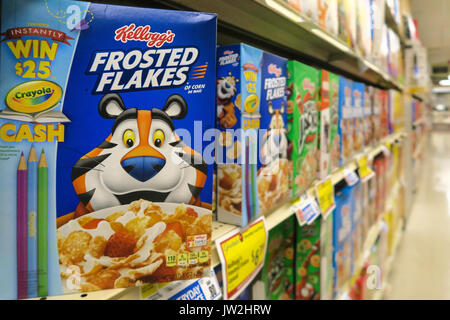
<point>274,26</point>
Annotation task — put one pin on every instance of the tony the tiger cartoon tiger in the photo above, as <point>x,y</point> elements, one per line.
<point>142,158</point>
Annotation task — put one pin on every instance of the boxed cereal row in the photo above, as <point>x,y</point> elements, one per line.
<point>252,167</point>
<point>105,183</point>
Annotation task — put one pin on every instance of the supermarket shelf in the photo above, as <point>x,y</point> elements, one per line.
<point>371,237</point>
<point>392,24</point>
<point>387,269</point>
<point>275,26</point>
<point>273,219</point>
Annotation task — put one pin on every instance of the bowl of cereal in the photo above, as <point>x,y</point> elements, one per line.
<point>129,245</point>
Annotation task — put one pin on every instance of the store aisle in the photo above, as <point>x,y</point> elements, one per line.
<point>422,266</point>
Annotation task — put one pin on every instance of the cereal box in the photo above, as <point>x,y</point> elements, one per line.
<point>328,15</point>
<point>357,224</point>
<point>342,244</point>
<point>238,119</point>
<point>384,113</point>
<point>307,260</point>
<point>367,115</point>
<point>358,116</point>
<point>326,258</point>
<point>273,165</point>
<point>335,138</point>
<point>276,280</point>
<point>303,91</point>
<point>376,114</point>
<point>364,24</point>
<point>311,9</point>
<point>346,121</point>
<point>324,124</point>
<point>347,21</point>
<point>295,4</point>
<point>104,184</point>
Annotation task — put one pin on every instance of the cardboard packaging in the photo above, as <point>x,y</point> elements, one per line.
<point>335,138</point>
<point>358,116</point>
<point>276,280</point>
<point>303,92</point>
<point>238,108</point>
<point>253,168</point>
<point>346,120</point>
<point>99,100</point>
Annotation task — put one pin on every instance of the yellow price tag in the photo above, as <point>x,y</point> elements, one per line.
<point>242,253</point>
<point>203,256</point>
<point>182,259</point>
<point>365,172</point>
<point>193,257</point>
<point>171,261</point>
<point>325,196</point>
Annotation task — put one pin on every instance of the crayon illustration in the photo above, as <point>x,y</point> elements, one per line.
<point>22,228</point>
<point>31,223</point>
<point>42,225</point>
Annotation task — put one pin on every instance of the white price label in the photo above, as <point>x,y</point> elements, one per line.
<point>307,211</point>
<point>350,177</point>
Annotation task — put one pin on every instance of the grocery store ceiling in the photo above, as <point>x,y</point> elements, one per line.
<point>433,18</point>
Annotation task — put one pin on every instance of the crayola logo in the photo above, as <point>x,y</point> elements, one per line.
<point>33,96</point>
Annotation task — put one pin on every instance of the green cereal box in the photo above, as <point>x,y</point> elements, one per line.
<point>307,260</point>
<point>276,281</point>
<point>334,121</point>
<point>324,125</point>
<point>303,92</point>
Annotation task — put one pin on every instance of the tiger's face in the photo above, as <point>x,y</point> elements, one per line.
<point>226,87</point>
<point>141,158</point>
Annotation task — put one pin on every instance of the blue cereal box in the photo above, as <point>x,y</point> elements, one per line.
<point>105,158</point>
<point>357,223</point>
<point>342,244</point>
<point>238,88</point>
<point>346,123</point>
<point>273,166</point>
<point>358,115</point>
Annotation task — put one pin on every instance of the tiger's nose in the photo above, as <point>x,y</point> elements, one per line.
<point>143,168</point>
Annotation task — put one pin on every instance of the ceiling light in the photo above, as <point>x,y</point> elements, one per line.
<point>445,82</point>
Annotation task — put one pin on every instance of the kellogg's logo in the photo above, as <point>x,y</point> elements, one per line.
<point>308,85</point>
<point>273,69</point>
<point>142,33</point>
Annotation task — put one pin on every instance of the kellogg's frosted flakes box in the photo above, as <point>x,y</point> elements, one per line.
<point>358,115</point>
<point>273,165</point>
<point>238,88</point>
<point>303,93</point>
<point>346,121</point>
<point>105,175</point>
